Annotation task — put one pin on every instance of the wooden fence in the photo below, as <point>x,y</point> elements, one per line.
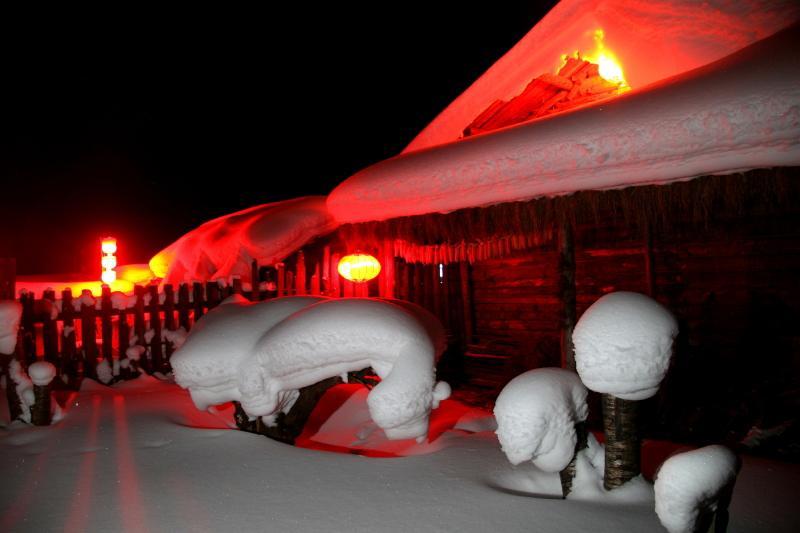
<point>78,332</point>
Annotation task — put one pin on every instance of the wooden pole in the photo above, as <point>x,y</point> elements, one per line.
<point>50,328</point>
<point>69,363</point>
<point>106,328</point>
<point>335,278</point>
<point>566,267</point>
<point>40,410</point>
<point>139,326</point>
<point>466,300</point>
<point>156,352</point>
<point>326,271</point>
<point>255,282</point>
<point>622,446</point>
<point>169,316</point>
<point>198,297</point>
<point>88,336</point>
<point>280,269</point>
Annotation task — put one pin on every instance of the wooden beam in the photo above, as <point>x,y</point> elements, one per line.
<point>566,269</point>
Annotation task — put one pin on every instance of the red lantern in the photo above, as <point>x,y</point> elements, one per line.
<point>359,268</point>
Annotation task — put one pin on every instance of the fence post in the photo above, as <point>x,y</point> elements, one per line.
<point>106,328</point>
<point>255,282</point>
<point>49,327</point>
<point>183,306</point>
<point>281,281</point>
<point>169,316</point>
<point>155,327</point>
<point>28,327</point>
<point>69,363</point>
<point>300,276</point>
<point>212,294</point>
<point>88,337</point>
<point>139,327</point>
<point>197,293</point>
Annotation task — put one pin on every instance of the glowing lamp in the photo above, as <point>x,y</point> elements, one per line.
<point>109,246</point>
<point>109,260</point>
<point>359,267</point>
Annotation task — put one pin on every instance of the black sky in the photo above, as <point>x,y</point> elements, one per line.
<point>146,125</point>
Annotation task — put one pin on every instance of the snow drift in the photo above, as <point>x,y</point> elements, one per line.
<point>623,345</point>
<point>536,415</point>
<point>227,246</point>
<point>692,484</point>
<point>338,336</point>
<point>208,362</point>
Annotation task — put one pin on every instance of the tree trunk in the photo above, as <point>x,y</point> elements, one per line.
<point>40,410</point>
<point>568,474</point>
<point>622,441</point>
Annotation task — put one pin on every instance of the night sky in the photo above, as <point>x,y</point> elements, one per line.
<point>151,125</point>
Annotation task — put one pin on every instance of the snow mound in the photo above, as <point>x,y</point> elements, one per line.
<point>10,315</point>
<point>207,363</point>
<point>692,484</point>
<point>228,245</point>
<point>623,345</point>
<point>536,415</point>
<point>337,336</point>
<point>41,373</point>
<point>433,326</point>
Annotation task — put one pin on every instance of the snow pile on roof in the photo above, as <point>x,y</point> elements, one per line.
<point>623,345</point>
<point>651,39</point>
<point>41,373</point>
<point>735,114</point>
<point>536,415</point>
<point>338,336</point>
<point>692,484</point>
<point>10,315</point>
<point>207,363</point>
<point>227,246</point>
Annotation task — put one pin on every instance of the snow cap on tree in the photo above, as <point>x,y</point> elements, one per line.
<point>536,415</point>
<point>623,345</point>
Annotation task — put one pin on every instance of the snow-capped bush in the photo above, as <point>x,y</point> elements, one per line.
<point>24,388</point>
<point>338,336</point>
<point>692,484</point>
<point>41,373</point>
<point>208,361</point>
<point>623,344</point>
<point>536,415</point>
<point>10,314</point>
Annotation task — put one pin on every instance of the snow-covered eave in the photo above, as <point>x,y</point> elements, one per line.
<point>739,113</point>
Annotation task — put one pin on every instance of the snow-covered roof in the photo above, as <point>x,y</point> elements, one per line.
<point>226,246</point>
<point>652,40</point>
<point>738,113</point>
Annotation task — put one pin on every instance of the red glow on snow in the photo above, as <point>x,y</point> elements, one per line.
<point>133,512</point>
<point>359,268</point>
<point>81,505</point>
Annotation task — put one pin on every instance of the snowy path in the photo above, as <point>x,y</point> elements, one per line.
<point>139,457</point>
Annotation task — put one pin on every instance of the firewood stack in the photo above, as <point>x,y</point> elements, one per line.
<point>577,83</point>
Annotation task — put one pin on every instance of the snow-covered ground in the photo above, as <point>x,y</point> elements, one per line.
<point>140,457</point>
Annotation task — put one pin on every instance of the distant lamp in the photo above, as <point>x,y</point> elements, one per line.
<point>109,260</point>
<point>359,268</point>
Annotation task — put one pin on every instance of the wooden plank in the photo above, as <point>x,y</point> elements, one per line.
<point>156,350</point>
<point>106,330</point>
<point>49,328</point>
<point>466,300</point>
<point>255,282</point>
<point>139,325</point>
<point>69,364</point>
<point>88,342</point>
<point>280,270</point>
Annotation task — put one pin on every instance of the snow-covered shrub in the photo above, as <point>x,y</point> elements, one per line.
<point>536,415</point>
<point>24,388</point>
<point>690,486</point>
<point>623,344</point>
<point>10,315</point>
<point>208,361</point>
<point>337,336</point>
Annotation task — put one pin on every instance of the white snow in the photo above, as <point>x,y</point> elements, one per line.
<point>24,388</point>
<point>41,373</point>
<point>691,483</point>
<point>176,337</point>
<point>536,414</point>
<point>208,362</point>
<point>104,372</point>
<point>343,335</point>
<point>738,113</point>
<point>10,315</point>
<point>623,345</point>
<point>226,246</point>
<point>652,39</point>
<point>139,457</point>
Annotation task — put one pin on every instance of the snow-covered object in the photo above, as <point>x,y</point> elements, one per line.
<point>536,414</point>
<point>336,336</point>
<point>429,321</point>
<point>227,246</point>
<point>104,372</point>
<point>735,114</point>
<point>10,315</point>
<point>176,337</point>
<point>691,483</point>
<point>24,387</point>
<point>41,373</point>
<point>623,345</point>
<point>651,39</point>
<point>208,362</point>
